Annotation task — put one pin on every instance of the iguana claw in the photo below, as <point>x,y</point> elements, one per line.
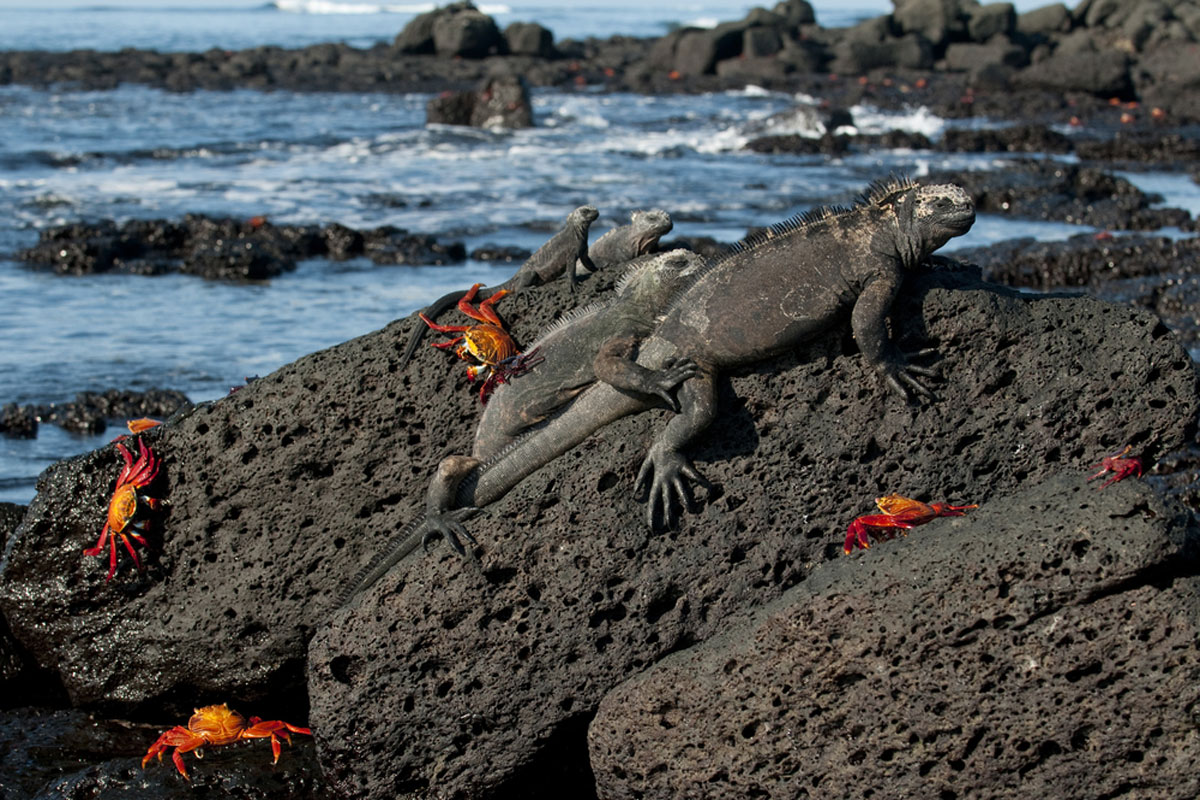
<point>662,477</point>
<point>670,376</point>
<point>449,526</point>
<point>902,376</point>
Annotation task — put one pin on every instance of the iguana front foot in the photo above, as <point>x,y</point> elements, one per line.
<point>662,477</point>
<point>448,525</point>
<point>902,376</point>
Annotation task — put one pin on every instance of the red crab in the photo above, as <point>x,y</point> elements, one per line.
<point>488,343</point>
<point>899,514</point>
<point>216,726</point>
<point>127,505</point>
<point>1120,467</point>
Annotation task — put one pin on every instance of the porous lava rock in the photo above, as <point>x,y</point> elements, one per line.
<point>1042,646</point>
<point>1148,271</point>
<point>468,678</point>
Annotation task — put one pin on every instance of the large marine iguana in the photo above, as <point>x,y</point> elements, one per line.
<point>626,242</point>
<point>591,343</point>
<point>772,292</point>
<point>557,256</point>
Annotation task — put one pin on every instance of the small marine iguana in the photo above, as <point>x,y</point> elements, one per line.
<point>772,292</point>
<point>557,256</point>
<point>591,343</point>
<point>626,242</point>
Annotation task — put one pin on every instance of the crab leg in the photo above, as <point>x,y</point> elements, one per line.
<point>274,729</point>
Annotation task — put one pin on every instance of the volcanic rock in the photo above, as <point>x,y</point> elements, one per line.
<point>1068,192</point>
<point>573,594</point>
<point>18,422</point>
<point>995,655</point>
<point>501,101</point>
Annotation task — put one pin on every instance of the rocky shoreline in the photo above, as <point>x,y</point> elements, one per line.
<point>1046,643</point>
<point>1097,64</point>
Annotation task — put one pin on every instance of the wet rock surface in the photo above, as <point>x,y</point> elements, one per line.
<point>996,654</point>
<point>224,249</point>
<point>61,753</point>
<point>91,412</point>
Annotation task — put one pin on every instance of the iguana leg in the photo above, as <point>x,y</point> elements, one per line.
<point>869,322</point>
<point>440,519</point>
<point>615,366</point>
<point>665,468</point>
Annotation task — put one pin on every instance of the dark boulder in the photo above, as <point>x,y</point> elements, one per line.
<point>463,31</point>
<point>1048,19</point>
<point>855,56</point>
<point>458,29</point>
<point>987,21</point>
<point>1103,73</point>
<point>1042,646</point>
<point>529,39</point>
<point>499,102</point>
<point>573,595</point>
<point>971,57</point>
<point>937,21</point>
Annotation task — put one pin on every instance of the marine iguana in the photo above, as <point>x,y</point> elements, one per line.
<point>773,291</point>
<point>626,242</point>
<point>558,255</point>
<point>591,343</point>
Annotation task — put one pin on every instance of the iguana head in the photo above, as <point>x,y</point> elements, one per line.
<point>582,217</point>
<point>933,215</point>
<point>649,227</point>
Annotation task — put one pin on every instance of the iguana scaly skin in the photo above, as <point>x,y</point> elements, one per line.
<point>771,293</point>
<point>627,242</point>
<point>557,256</point>
<point>592,343</point>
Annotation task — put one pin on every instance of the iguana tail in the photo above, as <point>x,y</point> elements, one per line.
<point>491,480</point>
<point>436,308</point>
<point>405,542</point>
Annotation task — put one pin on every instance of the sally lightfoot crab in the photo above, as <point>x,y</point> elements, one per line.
<point>215,726</point>
<point>487,343</point>
<point>900,514</point>
<point>129,506</point>
<point>1120,465</point>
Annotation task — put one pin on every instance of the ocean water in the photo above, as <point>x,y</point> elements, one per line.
<point>362,160</point>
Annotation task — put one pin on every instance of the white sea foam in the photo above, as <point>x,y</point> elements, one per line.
<point>868,119</point>
<point>334,7</point>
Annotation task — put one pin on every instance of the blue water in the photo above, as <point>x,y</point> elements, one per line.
<point>136,152</point>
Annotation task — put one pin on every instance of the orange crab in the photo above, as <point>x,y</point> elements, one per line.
<point>488,343</point>
<point>136,426</point>
<point>127,505</point>
<point>899,514</point>
<point>1119,465</point>
<point>216,726</point>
